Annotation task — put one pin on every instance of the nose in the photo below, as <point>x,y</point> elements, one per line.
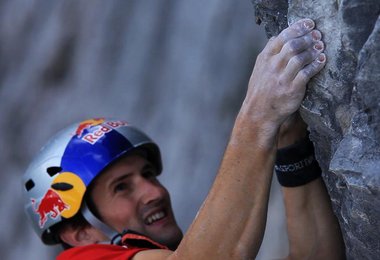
<point>151,190</point>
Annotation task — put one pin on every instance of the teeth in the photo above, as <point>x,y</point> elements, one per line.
<point>155,217</point>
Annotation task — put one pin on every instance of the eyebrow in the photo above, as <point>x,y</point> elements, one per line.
<point>118,179</point>
<point>147,166</point>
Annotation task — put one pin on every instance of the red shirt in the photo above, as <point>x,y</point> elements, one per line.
<point>131,245</point>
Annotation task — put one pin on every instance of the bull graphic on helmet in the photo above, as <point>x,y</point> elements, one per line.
<point>51,205</point>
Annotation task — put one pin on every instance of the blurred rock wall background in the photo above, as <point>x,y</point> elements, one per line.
<point>177,69</point>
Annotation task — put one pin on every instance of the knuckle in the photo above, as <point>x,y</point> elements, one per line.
<point>269,48</point>
<point>276,66</point>
<point>263,56</point>
<point>292,47</point>
<point>282,38</point>
<point>308,39</point>
<point>307,57</point>
<point>304,58</point>
<point>295,45</point>
<point>282,81</point>
<point>270,43</point>
<point>307,73</point>
<point>284,34</point>
<point>296,30</point>
<point>304,75</point>
<point>297,61</point>
<point>315,66</point>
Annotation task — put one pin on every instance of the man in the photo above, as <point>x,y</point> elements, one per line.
<point>94,187</point>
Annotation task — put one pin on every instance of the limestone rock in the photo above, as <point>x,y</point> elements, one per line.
<point>342,110</point>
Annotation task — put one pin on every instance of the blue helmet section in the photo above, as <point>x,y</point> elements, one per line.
<point>87,160</point>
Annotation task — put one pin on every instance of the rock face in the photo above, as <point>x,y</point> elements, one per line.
<point>342,109</point>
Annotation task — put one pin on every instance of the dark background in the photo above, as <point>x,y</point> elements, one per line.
<point>176,69</point>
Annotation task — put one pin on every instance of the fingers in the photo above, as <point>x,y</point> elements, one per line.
<point>310,70</point>
<point>299,61</point>
<point>296,30</point>
<point>297,45</point>
<point>298,53</point>
<point>278,81</point>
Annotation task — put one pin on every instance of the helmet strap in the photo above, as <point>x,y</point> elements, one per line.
<point>114,236</point>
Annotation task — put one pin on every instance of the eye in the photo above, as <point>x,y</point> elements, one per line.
<point>122,186</point>
<point>150,174</point>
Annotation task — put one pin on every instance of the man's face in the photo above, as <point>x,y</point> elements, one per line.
<point>128,195</point>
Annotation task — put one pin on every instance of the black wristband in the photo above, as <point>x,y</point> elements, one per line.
<point>296,165</point>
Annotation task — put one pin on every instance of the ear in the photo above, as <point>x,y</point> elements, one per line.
<point>81,236</point>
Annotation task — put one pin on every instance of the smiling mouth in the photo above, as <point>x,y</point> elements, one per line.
<point>155,217</point>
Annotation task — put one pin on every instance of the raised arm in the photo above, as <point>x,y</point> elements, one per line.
<point>313,229</point>
<point>231,222</point>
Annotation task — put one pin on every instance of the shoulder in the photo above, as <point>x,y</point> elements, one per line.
<point>99,251</point>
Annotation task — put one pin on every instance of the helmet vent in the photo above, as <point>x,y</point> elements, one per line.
<point>53,170</point>
<point>29,185</point>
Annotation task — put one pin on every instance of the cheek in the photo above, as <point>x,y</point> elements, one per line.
<point>164,191</point>
<point>120,214</point>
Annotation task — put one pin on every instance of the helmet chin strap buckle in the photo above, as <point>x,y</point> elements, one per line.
<point>117,239</point>
<point>113,236</point>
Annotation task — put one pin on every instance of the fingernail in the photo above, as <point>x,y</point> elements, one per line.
<point>321,58</point>
<point>316,35</point>
<point>318,46</point>
<point>309,24</point>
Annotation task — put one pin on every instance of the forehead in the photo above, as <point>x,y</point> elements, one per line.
<point>124,165</point>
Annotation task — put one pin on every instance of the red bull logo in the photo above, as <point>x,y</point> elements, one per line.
<point>51,205</point>
<point>87,124</point>
<point>97,129</point>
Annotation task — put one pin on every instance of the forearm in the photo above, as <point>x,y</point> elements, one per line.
<point>231,222</point>
<point>313,229</point>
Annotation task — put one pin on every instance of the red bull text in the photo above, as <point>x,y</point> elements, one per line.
<point>51,205</point>
<point>99,130</point>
